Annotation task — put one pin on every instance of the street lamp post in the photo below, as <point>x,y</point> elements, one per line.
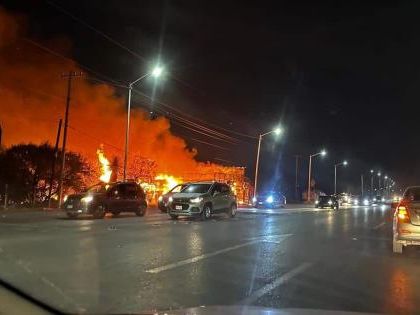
<point>157,71</point>
<point>277,131</point>
<point>322,153</point>
<point>371,182</point>
<point>335,175</point>
<point>379,181</point>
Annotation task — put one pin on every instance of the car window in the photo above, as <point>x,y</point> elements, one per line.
<point>130,191</point>
<point>224,188</point>
<point>412,194</point>
<point>178,188</point>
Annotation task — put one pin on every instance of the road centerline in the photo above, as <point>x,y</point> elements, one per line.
<point>208,255</point>
<point>276,283</point>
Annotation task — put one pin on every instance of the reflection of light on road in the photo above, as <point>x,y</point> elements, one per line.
<point>330,223</point>
<point>195,244</point>
<point>400,297</point>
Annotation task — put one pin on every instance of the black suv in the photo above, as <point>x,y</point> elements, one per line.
<point>102,198</point>
<point>327,202</point>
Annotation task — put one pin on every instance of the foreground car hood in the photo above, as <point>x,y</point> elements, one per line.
<point>187,195</point>
<point>254,310</point>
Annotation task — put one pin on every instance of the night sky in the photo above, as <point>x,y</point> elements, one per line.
<point>344,77</point>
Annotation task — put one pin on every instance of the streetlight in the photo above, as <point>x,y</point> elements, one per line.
<point>371,181</point>
<point>335,175</point>
<point>277,131</point>
<point>156,73</point>
<point>322,153</point>
<point>379,181</point>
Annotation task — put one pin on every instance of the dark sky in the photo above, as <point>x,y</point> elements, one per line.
<point>343,76</point>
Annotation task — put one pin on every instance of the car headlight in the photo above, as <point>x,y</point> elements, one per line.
<point>160,198</point>
<point>254,199</point>
<point>65,198</point>
<point>196,200</point>
<point>365,202</point>
<point>330,202</point>
<point>316,202</point>
<point>383,199</point>
<point>170,199</point>
<point>87,199</point>
<point>270,199</point>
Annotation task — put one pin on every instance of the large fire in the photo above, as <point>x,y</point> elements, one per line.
<point>106,171</point>
<point>31,89</point>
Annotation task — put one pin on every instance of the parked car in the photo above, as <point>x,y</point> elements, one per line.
<point>163,200</point>
<point>327,202</point>
<point>270,200</point>
<point>406,223</point>
<point>102,198</point>
<point>202,199</point>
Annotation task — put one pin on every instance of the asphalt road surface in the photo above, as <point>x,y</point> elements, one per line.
<point>335,260</point>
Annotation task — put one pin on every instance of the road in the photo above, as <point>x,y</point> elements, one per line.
<point>336,260</point>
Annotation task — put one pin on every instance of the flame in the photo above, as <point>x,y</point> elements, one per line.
<point>105,168</point>
<point>169,181</point>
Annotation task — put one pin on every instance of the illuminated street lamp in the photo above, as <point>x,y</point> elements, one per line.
<point>344,163</point>
<point>277,131</point>
<point>322,153</point>
<point>379,181</point>
<point>156,73</point>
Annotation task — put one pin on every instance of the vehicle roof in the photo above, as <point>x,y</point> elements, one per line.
<point>204,182</point>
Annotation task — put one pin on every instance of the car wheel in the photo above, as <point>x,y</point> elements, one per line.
<point>232,211</point>
<point>206,213</point>
<point>72,215</point>
<point>173,217</point>
<point>141,211</point>
<point>397,247</point>
<point>99,212</point>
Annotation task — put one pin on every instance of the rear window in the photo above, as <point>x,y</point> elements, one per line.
<point>412,194</point>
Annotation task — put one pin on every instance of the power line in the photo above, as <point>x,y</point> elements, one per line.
<point>210,144</point>
<point>95,30</point>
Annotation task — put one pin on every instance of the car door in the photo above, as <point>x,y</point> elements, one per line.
<point>217,198</point>
<point>131,196</point>
<point>225,193</point>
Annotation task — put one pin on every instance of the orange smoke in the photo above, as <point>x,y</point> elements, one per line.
<point>33,92</point>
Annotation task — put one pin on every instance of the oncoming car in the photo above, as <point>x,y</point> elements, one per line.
<point>202,199</point>
<point>327,202</point>
<point>102,198</point>
<point>406,223</point>
<point>270,200</point>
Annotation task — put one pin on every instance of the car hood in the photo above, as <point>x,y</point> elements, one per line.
<point>186,195</point>
<point>254,310</point>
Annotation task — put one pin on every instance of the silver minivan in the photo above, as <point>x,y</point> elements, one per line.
<point>406,224</point>
<point>202,199</point>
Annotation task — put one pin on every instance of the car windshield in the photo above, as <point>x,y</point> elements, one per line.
<point>178,188</point>
<point>196,188</point>
<point>324,198</point>
<point>99,188</point>
<point>412,194</point>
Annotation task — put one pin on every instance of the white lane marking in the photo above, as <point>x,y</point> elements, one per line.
<point>377,227</point>
<point>204,256</point>
<point>278,282</point>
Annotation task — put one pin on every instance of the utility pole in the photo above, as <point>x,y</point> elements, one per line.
<point>57,142</point>
<point>70,75</point>
<point>257,165</point>
<point>361,179</point>
<point>296,177</point>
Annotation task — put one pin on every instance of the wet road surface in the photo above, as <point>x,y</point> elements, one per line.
<point>335,260</point>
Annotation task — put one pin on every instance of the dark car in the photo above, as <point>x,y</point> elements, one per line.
<point>102,198</point>
<point>163,200</point>
<point>378,200</point>
<point>327,202</point>
<point>270,200</point>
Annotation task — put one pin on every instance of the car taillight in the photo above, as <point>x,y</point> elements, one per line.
<point>402,213</point>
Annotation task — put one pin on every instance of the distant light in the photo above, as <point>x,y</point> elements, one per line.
<point>157,71</point>
<point>366,202</point>
<point>270,199</point>
<point>386,177</point>
<point>379,174</point>
<point>254,199</point>
<point>323,152</point>
<point>371,171</point>
<point>345,163</point>
<point>277,131</point>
